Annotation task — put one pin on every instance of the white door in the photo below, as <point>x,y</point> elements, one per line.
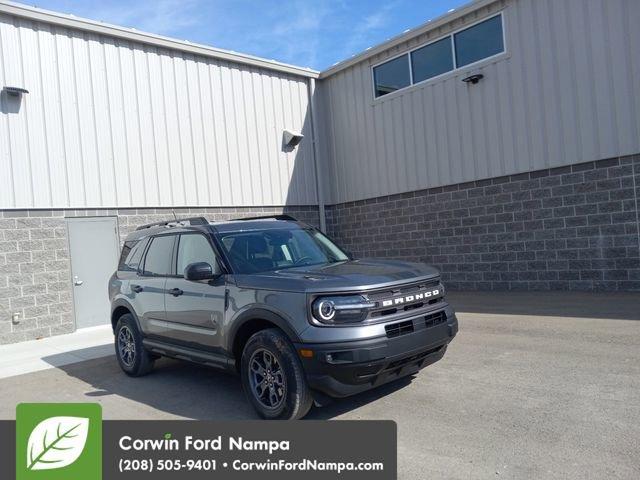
<point>93,245</point>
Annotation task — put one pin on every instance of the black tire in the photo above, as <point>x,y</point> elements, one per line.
<point>295,400</point>
<point>141,361</point>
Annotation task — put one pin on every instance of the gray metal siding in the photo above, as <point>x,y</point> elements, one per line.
<point>567,90</point>
<point>111,123</point>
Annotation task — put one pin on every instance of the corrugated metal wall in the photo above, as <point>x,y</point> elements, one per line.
<point>109,123</point>
<point>567,91</point>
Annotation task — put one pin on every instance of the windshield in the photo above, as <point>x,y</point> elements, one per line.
<point>274,249</point>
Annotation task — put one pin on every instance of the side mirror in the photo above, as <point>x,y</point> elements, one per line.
<point>200,271</point>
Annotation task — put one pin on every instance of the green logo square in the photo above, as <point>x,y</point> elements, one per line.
<point>59,441</point>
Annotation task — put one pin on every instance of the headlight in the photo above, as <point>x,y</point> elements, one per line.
<point>341,310</point>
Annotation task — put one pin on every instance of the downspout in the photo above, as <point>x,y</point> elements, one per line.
<point>314,135</point>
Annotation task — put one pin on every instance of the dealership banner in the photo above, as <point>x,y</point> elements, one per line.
<point>71,441</point>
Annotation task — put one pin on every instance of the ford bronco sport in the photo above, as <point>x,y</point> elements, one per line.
<point>278,302</point>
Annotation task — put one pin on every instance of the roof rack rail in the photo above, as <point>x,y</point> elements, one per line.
<point>267,217</point>
<point>175,222</point>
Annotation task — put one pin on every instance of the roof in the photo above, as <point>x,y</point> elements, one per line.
<point>253,225</point>
<point>131,34</point>
<point>429,25</point>
<point>226,226</point>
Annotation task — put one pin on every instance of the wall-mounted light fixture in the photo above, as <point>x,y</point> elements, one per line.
<point>291,139</point>
<point>15,91</point>
<point>473,79</point>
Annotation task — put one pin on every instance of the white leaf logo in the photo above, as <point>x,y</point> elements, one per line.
<point>56,442</point>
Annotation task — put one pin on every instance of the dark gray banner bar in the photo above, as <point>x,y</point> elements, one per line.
<point>229,450</point>
<point>7,449</point>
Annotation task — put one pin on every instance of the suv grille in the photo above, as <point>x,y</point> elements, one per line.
<point>402,291</point>
<point>400,328</point>
<point>435,319</point>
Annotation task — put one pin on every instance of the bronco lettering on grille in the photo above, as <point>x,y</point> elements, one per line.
<point>411,298</point>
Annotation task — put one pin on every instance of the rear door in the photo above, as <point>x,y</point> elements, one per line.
<point>93,245</point>
<point>195,309</point>
<point>148,288</point>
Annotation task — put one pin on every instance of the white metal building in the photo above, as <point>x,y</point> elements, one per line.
<point>499,142</point>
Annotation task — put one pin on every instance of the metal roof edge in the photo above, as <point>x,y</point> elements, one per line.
<point>131,34</point>
<point>408,35</point>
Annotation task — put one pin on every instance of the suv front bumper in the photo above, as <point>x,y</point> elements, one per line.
<point>346,368</point>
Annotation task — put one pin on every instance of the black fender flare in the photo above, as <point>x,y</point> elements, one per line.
<point>121,302</point>
<point>259,313</point>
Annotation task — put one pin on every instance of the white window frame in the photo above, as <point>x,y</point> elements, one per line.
<point>452,37</point>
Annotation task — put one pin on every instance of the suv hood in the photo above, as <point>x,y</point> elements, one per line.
<point>339,277</point>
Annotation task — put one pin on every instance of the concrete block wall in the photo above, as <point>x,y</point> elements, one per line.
<point>35,269</point>
<point>568,228</point>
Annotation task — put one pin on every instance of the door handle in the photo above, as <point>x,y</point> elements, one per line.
<point>77,282</point>
<point>176,292</point>
<point>136,288</point>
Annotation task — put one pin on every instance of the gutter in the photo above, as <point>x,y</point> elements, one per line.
<point>311,89</point>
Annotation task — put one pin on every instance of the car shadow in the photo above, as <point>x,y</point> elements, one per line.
<point>340,406</point>
<point>184,389</point>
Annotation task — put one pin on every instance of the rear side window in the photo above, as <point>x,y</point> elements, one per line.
<point>194,248</point>
<point>131,255</point>
<point>158,258</point>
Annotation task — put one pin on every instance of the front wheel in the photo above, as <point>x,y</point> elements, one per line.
<point>272,377</point>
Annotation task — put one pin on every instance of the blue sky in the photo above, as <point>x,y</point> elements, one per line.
<point>309,33</point>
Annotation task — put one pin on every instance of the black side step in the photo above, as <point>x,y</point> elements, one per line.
<point>189,354</point>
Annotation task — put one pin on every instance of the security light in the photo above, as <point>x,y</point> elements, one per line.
<point>473,79</point>
<point>15,91</point>
<point>291,139</point>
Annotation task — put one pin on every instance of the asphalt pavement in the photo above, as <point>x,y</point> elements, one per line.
<point>535,385</point>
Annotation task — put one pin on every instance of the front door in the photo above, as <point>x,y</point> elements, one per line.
<point>195,310</point>
<point>93,247</point>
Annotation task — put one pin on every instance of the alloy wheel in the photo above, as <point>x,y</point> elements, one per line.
<point>126,346</point>
<point>267,379</point>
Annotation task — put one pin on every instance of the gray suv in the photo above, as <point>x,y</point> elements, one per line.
<point>278,302</point>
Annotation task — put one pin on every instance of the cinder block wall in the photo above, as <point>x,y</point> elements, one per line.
<point>35,276</point>
<point>569,228</point>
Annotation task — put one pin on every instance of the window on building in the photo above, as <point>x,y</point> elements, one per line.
<point>194,248</point>
<point>455,51</point>
<point>480,41</point>
<point>158,258</point>
<point>432,60</point>
<point>392,75</point>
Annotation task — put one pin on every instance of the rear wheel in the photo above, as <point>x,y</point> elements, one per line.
<point>133,358</point>
<point>272,377</point>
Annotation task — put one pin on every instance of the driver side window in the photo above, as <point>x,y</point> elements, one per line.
<point>194,248</point>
